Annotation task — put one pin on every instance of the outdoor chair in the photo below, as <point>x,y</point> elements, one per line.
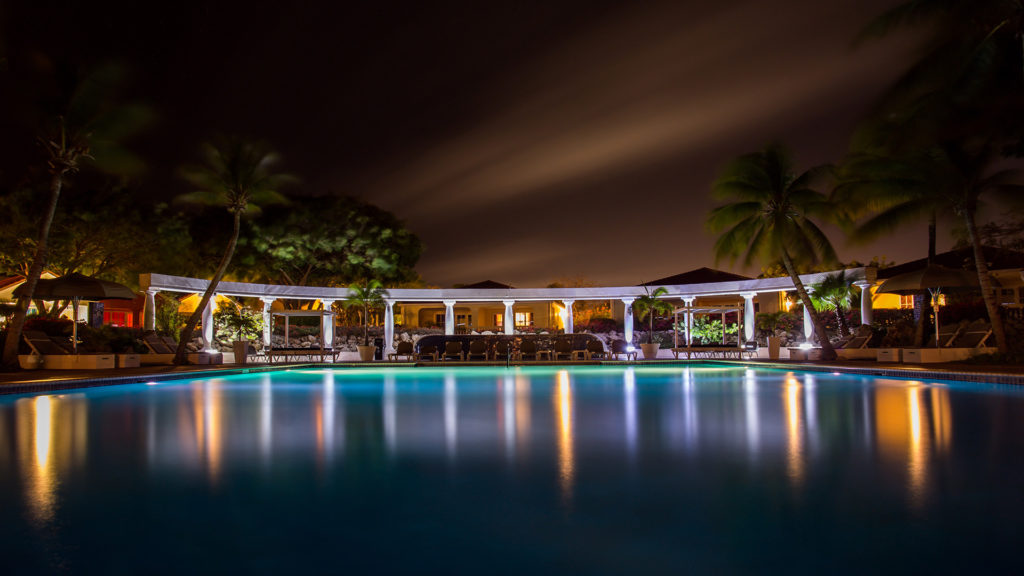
<point>477,349</point>
<point>427,352</point>
<point>503,350</point>
<point>595,349</point>
<point>528,348</point>
<point>42,344</point>
<point>947,334</point>
<point>563,348</point>
<point>453,350</point>
<point>157,345</point>
<point>403,350</point>
<point>619,348</point>
<point>975,335</point>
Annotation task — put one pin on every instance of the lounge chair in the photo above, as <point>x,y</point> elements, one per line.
<point>453,350</point>
<point>967,341</point>
<point>503,350</point>
<point>563,348</point>
<point>477,349</point>
<point>619,348</point>
<point>528,348</point>
<point>427,352</point>
<point>403,350</point>
<point>56,357</point>
<point>595,349</point>
<point>855,347</point>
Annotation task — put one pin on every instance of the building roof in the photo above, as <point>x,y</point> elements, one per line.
<point>698,276</point>
<point>962,258</point>
<point>487,284</point>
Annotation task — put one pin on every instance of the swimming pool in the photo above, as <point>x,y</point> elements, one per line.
<point>610,470</point>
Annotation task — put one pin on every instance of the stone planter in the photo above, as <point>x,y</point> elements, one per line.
<point>650,350</point>
<point>774,345</point>
<point>366,352</point>
<point>127,360</point>
<point>241,350</point>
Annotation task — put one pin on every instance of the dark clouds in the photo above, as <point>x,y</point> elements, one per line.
<point>522,143</point>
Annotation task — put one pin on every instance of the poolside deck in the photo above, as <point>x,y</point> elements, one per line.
<point>35,381</point>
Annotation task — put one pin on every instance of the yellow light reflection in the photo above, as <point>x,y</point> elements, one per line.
<point>563,412</point>
<point>913,427</point>
<point>207,409</point>
<point>52,433</point>
<point>794,430</point>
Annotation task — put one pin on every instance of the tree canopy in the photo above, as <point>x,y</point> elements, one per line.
<point>329,241</point>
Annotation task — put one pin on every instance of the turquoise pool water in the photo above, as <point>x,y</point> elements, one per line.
<point>588,470</point>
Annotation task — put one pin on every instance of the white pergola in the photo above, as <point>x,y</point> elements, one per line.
<point>688,293</point>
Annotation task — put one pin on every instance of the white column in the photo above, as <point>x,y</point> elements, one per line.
<point>449,317</point>
<point>510,318</point>
<point>568,316</point>
<point>150,310</point>
<point>866,305</point>
<point>208,326</point>
<point>675,329</point>
<point>389,327</point>
<point>688,321</point>
<point>627,322</point>
<point>748,315</point>
<point>327,325</point>
<point>808,325</point>
<point>267,303</point>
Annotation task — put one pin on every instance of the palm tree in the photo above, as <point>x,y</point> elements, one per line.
<point>650,305</point>
<point>833,293</point>
<point>953,177</point>
<point>767,216</point>
<point>88,130</point>
<point>237,175</point>
<point>366,296</point>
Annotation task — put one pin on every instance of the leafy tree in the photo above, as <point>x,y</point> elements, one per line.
<point>709,330</point>
<point>330,241</point>
<point>650,305</point>
<point>366,296</point>
<point>834,294</point>
<point>240,322</point>
<point>767,216</point>
<point>237,175</point>
<point>85,129</point>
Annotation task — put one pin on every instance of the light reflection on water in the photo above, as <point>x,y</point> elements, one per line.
<point>779,423</point>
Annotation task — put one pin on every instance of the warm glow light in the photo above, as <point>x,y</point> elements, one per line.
<point>566,458</point>
<point>794,432</point>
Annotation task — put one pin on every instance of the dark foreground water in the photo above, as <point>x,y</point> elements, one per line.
<point>540,470</point>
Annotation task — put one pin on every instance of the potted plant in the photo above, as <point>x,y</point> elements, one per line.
<point>366,296</point>
<point>768,325</point>
<point>648,306</point>
<point>241,324</point>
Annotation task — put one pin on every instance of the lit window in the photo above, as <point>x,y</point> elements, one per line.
<point>499,320</point>
<point>524,318</point>
<point>907,301</point>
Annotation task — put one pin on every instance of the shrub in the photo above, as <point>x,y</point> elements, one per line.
<point>51,326</point>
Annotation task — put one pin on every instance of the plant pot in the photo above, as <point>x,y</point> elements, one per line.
<point>241,350</point>
<point>650,350</point>
<point>774,344</point>
<point>366,352</point>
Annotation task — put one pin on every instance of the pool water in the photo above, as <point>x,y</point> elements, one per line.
<point>590,470</point>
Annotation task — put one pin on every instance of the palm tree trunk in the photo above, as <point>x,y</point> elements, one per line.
<point>925,296</point>
<point>985,283</point>
<point>190,326</point>
<point>10,356</point>
<point>827,352</point>
<point>841,321</point>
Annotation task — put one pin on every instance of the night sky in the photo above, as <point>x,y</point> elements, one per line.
<point>523,143</point>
